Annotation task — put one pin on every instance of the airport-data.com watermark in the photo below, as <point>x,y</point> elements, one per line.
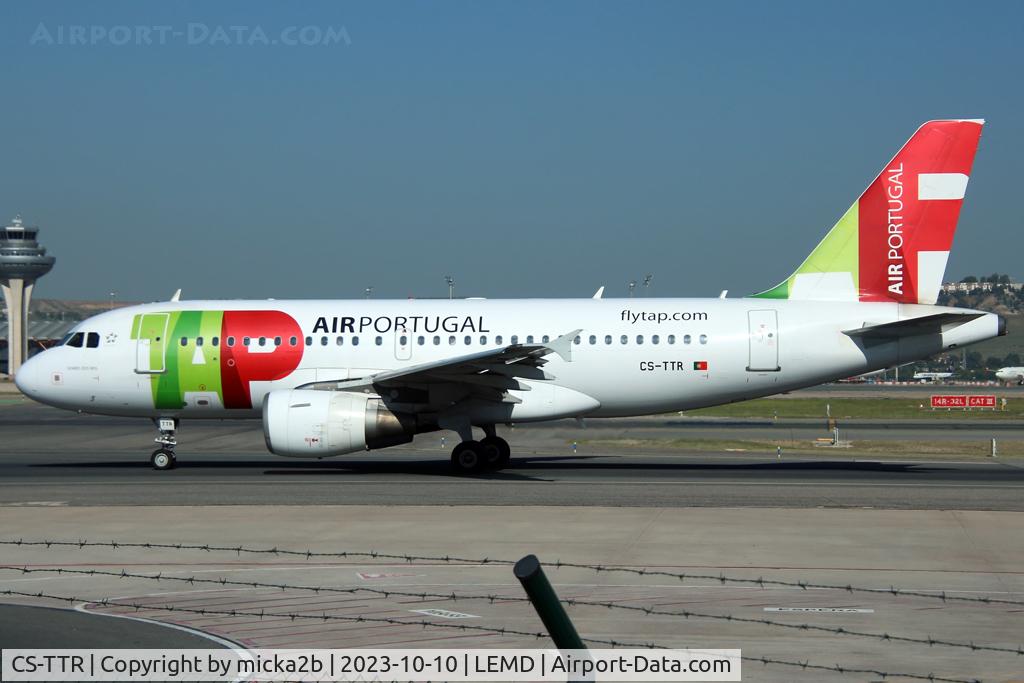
<point>191,34</point>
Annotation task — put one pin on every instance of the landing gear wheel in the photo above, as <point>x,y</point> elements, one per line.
<point>163,459</point>
<point>469,457</point>
<point>496,451</point>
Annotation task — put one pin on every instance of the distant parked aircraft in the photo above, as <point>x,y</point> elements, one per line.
<point>1011,375</point>
<point>932,376</point>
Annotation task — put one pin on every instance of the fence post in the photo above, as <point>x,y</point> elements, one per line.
<point>549,609</point>
<point>545,601</point>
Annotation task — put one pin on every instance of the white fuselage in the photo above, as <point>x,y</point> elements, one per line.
<point>632,357</point>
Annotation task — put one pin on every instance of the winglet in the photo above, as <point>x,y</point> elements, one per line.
<point>599,293</point>
<point>177,295</point>
<point>563,345</point>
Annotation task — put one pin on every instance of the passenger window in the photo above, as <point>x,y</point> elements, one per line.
<point>231,341</point>
<point>655,339</point>
<point>483,341</point>
<point>529,339</point>
<point>437,340</point>
<point>245,341</point>
<point>340,341</point>
<point>469,340</point>
<point>277,341</point>
<point>215,341</point>
<point>378,341</point>
<point>92,340</point>
<point>515,339</point>
<point>451,340</point>
<point>421,340</point>
<point>545,339</point>
<point>639,339</point>
<point>607,339</point>
<point>323,340</point>
<point>184,341</point>
<point>703,339</point>
<point>497,340</point>
<point>576,340</point>
<point>293,341</point>
<point>309,341</point>
<point>671,339</point>
<point>686,339</point>
<point>262,341</point>
<point>199,341</point>
<point>623,339</point>
<point>593,340</point>
<point>403,340</point>
<point>355,341</point>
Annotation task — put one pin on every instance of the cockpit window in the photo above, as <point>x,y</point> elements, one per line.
<point>75,340</point>
<point>92,341</point>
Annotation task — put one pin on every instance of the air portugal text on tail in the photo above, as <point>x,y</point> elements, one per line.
<point>334,377</point>
<point>893,243</point>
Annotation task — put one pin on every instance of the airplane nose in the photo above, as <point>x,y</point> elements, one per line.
<point>28,376</point>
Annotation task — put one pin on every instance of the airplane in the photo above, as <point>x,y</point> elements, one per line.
<point>331,377</point>
<point>932,376</point>
<point>1011,375</point>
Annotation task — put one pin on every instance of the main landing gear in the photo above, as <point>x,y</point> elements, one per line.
<point>490,453</point>
<point>163,457</point>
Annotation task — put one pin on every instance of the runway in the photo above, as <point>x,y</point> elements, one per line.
<point>53,458</point>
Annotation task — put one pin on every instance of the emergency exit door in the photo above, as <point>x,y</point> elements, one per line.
<point>764,341</point>
<point>403,344</point>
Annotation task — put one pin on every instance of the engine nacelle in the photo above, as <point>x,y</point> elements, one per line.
<point>307,423</point>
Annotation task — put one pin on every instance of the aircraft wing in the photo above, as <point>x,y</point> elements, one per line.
<point>912,327</point>
<point>485,374</point>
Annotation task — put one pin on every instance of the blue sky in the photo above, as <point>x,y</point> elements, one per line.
<point>527,148</point>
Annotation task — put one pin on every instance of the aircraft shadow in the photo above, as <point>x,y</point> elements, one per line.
<point>534,465</point>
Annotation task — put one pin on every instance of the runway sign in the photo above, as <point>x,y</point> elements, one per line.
<point>960,401</point>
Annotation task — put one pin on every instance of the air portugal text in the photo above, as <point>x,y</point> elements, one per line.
<point>894,195</point>
<point>400,323</point>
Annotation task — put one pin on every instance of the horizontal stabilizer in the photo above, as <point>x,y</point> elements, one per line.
<point>913,327</point>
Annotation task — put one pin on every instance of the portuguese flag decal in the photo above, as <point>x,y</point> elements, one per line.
<point>700,365</point>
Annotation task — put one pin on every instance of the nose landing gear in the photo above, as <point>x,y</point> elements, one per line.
<point>163,458</point>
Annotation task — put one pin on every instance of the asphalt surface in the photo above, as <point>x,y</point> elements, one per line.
<point>54,458</point>
<point>24,626</point>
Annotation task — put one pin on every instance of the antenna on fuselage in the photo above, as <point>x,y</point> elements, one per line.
<point>177,295</point>
<point>599,293</point>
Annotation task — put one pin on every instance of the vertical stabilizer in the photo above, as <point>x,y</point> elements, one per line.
<point>893,243</point>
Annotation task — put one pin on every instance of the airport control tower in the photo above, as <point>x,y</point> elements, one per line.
<point>22,262</point>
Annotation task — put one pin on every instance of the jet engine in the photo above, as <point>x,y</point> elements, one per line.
<point>309,423</point>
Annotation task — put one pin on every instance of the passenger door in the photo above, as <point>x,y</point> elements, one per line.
<point>764,341</point>
<point>151,343</point>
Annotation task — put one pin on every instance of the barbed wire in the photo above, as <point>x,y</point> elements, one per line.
<point>492,598</point>
<point>556,564</point>
<point>324,617</point>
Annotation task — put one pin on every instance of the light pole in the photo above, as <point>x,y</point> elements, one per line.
<point>368,292</point>
<point>632,286</point>
<point>113,295</point>
<point>647,284</point>
<point>451,286</point>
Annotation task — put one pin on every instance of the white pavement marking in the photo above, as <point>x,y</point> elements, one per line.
<point>444,614</point>
<point>828,610</point>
